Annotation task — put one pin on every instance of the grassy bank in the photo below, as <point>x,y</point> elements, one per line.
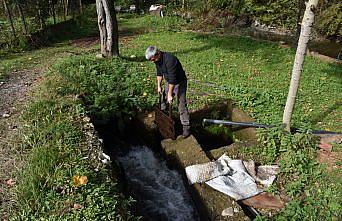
<point>61,181</point>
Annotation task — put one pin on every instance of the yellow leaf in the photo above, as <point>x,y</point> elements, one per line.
<point>79,180</point>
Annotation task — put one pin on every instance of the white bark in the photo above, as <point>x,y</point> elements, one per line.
<point>304,37</point>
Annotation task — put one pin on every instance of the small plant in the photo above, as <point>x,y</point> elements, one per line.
<point>301,177</point>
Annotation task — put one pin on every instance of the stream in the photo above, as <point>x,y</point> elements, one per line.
<point>160,192</point>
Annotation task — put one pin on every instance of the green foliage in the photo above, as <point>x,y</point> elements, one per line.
<point>112,89</point>
<point>315,195</point>
<point>278,13</point>
<point>329,21</point>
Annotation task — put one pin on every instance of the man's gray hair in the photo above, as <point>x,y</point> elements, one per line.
<point>150,52</point>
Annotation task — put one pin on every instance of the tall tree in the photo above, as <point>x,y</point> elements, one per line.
<point>9,15</point>
<point>108,27</point>
<point>81,6</point>
<point>304,37</point>
<point>22,17</point>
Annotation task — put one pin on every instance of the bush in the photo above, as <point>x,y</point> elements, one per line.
<point>330,20</point>
<point>111,88</point>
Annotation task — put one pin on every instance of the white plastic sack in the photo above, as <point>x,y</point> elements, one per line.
<point>227,176</point>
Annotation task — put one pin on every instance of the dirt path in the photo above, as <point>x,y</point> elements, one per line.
<point>13,97</point>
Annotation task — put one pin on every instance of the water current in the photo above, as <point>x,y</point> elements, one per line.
<point>160,191</point>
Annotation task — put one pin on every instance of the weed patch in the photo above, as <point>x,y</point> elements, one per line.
<point>313,191</point>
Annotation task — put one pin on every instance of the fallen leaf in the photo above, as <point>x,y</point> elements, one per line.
<point>10,182</point>
<point>78,206</point>
<point>79,180</point>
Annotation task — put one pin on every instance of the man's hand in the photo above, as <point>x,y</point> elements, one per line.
<point>169,99</point>
<point>170,93</point>
<point>159,83</point>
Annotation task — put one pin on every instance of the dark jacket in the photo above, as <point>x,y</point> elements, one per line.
<point>170,67</point>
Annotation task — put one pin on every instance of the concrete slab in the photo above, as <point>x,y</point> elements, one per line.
<point>239,116</point>
<point>209,202</point>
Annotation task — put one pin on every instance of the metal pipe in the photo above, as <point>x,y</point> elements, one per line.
<point>232,123</point>
<point>251,124</point>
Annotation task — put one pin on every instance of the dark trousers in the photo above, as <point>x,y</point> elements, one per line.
<point>180,92</point>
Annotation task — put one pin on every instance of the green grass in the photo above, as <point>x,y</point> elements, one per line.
<point>54,137</point>
<point>254,74</point>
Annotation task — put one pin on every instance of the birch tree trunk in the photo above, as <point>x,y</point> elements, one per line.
<point>108,28</point>
<point>22,17</point>
<point>307,23</point>
<point>9,15</point>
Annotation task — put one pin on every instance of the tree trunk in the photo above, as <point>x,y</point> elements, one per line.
<point>307,23</point>
<point>64,9</point>
<point>53,13</point>
<point>22,17</point>
<point>81,7</point>
<point>9,15</point>
<point>40,15</point>
<point>108,28</point>
<point>137,6</point>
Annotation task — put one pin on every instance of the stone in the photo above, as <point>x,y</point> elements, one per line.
<point>228,212</point>
<point>5,115</point>
<point>86,119</point>
<point>99,56</point>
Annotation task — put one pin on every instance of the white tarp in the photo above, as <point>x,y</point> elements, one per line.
<point>231,176</point>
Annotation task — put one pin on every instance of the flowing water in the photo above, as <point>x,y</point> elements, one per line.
<point>160,191</point>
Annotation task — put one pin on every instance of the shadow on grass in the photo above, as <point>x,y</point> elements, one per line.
<point>248,46</point>
<point>335,70</point>
<point>320,116</point>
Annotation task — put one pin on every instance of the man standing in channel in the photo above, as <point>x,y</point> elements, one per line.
<point>169,67</point>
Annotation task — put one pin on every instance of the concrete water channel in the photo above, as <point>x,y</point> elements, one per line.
<point>152,169</point>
